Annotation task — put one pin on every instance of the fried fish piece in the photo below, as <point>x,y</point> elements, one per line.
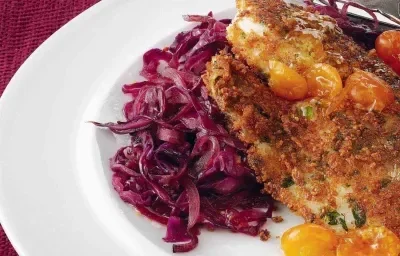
<point>266,30</point>
<point>342,171</point>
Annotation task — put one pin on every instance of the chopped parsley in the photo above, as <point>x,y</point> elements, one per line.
<point>307,112</point>
<point>287,182</point>
<point>334,218</point>
<point>359,215</point>
<point>343,223</point>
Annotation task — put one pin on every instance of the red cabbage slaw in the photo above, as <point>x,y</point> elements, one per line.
<point>182,168</point>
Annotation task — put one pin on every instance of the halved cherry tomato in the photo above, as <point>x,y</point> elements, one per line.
<point>387,47</point>
<point>368,91</point>
<point>310,240</point>
<point>286,82</point>
<point>371,241</point>
<point>323,81</point>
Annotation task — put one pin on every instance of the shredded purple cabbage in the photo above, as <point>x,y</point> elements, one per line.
<point>182,168</point>
<point>362,33</point>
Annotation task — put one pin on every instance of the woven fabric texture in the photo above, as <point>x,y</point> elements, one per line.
<point>24,25</point>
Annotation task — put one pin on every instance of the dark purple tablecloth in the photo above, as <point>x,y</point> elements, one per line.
<point>24,25</point>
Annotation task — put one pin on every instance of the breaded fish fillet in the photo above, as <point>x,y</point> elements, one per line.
<point>341,170</point>
<point>273,30</point>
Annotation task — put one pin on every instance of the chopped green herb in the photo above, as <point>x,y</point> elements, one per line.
<point>243,34</point>
<point>385,182</point>
<point>343,223</point>
<point>359,215</point>
<point>307,112</point>
<point>332,217</point>
<point>287,182</point>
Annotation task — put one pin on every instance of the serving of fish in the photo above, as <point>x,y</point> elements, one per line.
<point>293,89</point>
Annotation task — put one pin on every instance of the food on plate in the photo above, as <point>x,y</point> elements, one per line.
<point>182,168</point>
<point>320,114</point>
<point>282,91</point>
<point>265,31</point>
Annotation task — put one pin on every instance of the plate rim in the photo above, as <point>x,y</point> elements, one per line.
<point>12,88</point>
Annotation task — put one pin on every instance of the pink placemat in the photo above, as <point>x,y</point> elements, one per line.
<point>24,25</point>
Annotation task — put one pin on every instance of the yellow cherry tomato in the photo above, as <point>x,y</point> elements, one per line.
<point>286,82</point>
<point>371,241</point>
<point>368,91</point>
<point>323,81</point>
<point>309,240</point>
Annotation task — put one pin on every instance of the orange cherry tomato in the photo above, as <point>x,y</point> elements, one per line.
<point>309,240</point>
<point>387,47</point>
<point>368,91</point>
<point>371,241</point>
<point>286,82</point>
<point>323,81</point>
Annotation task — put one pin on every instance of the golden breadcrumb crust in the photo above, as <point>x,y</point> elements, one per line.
<point>349,157</point>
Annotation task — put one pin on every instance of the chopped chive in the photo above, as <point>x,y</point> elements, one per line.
<point>332,217</point>
<point>359,216</point>
<point>307,112</point>
<point>287,182</point>
<point>343,223</point>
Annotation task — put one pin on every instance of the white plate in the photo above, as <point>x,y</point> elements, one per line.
<point>55,192</point>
